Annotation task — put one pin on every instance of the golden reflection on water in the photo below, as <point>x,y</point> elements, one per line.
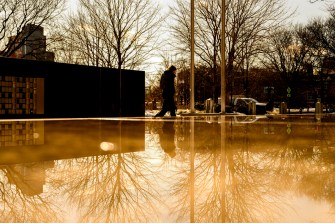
<point>189,169</point>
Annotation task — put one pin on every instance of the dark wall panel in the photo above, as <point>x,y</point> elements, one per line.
<point>82,91</point>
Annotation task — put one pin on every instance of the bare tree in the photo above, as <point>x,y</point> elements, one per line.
<point>321,35</point>
<point>114,33</point>
<point>285,53</point>
<point>208,23</point>
<point>16,15</point>
<point>247,22</point>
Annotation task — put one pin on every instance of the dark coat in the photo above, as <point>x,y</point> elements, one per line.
<point>167,84</point>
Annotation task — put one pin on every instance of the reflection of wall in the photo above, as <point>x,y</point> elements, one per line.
<point>83,138</point>
<point>21,133</point>
<point>34,141</point>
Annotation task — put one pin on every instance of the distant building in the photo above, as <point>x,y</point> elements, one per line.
<point>34,44</point>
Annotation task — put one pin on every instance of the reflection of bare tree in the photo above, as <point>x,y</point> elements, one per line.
<point>113,188</point>
<point>20,190</point>
<point>108,184</point>
<point>229,172</point>
<point>306,165</point>
<point>258,170</point>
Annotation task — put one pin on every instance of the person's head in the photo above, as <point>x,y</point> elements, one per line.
<point>173,69</point>
<point>172,153</point>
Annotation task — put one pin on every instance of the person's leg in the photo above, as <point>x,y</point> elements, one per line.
<point>172,112</point>
<point>164,109</point>
<point>161,113</point>
<point>172,107</point>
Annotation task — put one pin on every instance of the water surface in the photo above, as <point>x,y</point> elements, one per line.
<point>189,169</point>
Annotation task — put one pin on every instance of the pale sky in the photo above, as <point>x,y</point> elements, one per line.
<point>305,9</point>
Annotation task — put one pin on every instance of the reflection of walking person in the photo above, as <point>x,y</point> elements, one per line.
<point>167,85</point>
<point>166,139</point>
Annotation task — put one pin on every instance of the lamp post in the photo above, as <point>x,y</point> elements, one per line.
<point>192,59</point>
<point>223,57</point>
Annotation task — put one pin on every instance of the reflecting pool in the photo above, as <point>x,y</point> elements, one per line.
<point>188,169</point>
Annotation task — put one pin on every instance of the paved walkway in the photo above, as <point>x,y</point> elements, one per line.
<point>187,112</point>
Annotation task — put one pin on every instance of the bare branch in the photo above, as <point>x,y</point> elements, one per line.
<point>115,33</point>
<point>17,14</point>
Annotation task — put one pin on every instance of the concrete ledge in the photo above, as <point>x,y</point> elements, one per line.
<point>206,114</point>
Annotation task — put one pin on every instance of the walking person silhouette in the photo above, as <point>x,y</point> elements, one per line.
<point>167,85</point>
